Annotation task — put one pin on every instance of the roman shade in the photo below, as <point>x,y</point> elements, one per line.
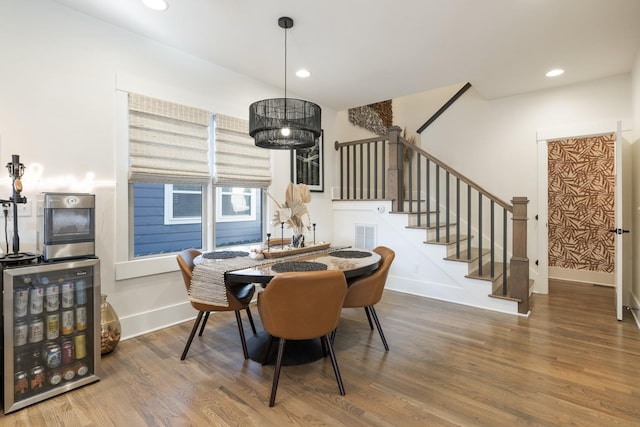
<point>238,161</point>
<point>168,142</point>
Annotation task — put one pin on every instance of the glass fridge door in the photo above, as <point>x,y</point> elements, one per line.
<point>51,315</point>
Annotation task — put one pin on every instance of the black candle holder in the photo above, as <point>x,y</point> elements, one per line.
<point>282,235</point>
<point>314,234</point>
<point>268,241</point>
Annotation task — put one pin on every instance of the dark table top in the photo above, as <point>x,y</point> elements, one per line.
<point>363,262</point>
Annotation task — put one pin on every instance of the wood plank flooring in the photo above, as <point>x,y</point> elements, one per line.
<point>569,363</point>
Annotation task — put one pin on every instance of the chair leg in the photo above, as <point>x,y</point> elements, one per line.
<point>242,339</point>
<point>191,335</point>
<point>332,335</point>
<point>276,374</point>
<point>206,317</point>
<point>334,363</point>
<point>375,319</point>
<point>366,310</point>
<point>267,350</point>
<point>253,326</point>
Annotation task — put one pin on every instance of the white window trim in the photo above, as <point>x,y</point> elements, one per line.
<point>235,218</point>
<point>169,219</point>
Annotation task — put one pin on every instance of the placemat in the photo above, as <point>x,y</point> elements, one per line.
<point>289,266</point>
<point>224,254</point>
<point>350,254</point>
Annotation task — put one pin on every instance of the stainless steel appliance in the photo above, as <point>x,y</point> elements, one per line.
<point>66,225</point>
<point>51,314</point>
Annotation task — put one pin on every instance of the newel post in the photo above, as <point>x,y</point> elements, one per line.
<point>519,265</point>
<point>394,172</point>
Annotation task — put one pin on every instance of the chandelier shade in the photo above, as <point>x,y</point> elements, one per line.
<point>285,123</point>
<point>268,118</point>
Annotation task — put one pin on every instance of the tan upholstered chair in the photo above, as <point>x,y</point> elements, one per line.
<point>300,306</point>
<point>238,298</point>
<point>367,291</point>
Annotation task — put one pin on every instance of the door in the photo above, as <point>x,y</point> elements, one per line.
<point>622,195</point>
<point>619,230</point>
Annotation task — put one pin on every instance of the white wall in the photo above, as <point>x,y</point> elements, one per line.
<point>493,142</point>
<point>58,110</point>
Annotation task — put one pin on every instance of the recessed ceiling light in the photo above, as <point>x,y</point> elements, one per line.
<point>555,72</point>
<point>160,5</point>
<point>302,73</point>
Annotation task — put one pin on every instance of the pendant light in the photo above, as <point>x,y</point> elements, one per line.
<point>284,123</point>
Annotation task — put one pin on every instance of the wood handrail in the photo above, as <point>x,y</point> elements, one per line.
<point>337,144</point>
<point>442,109</point>
<point>457,174</point>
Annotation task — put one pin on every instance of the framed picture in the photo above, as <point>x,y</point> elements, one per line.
<point>307,166</point>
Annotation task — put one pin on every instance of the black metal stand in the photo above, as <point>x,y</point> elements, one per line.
<point>16,170</point>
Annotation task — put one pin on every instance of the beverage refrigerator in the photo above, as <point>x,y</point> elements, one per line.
<point>51,328</point>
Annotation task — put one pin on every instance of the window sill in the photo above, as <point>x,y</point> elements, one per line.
<point>163,264</point>
<point>146,267</point>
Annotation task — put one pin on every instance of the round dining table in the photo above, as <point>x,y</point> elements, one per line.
<point>353,263</point>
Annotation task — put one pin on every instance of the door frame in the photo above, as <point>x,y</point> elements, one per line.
<point>578,130</point>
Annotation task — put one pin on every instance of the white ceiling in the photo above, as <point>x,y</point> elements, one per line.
<point>364,51</point>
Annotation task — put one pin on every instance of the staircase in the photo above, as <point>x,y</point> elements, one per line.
<point>445,219</point>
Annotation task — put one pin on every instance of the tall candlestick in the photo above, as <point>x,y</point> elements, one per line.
<point>282,235</point>
<point>314,233</point>
<point>268,241</point>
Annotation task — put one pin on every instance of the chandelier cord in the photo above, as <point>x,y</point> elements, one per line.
<point>285,74</point>
<point>285,63</point>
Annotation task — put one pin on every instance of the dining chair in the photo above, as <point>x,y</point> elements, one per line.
<point>238,298</point>
<point>302,306</point>
<point>366,291</point>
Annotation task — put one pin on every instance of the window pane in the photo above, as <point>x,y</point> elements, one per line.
<point>235,204</point>
<point>187,205</point>
<point>239,216</point>
<point>151,235</point>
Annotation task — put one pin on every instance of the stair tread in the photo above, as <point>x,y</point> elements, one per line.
<point>431,227</point>
<point>486,277</point>
<point>486,271</point>
<point>463,255</point>
<point>412,212</point>
<point>452,240</point>
<point>500,296</point>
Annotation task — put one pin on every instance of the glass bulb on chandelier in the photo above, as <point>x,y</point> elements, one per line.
<point>285,131</point>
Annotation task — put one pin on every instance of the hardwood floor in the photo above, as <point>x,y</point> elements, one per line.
<point>569,363</point>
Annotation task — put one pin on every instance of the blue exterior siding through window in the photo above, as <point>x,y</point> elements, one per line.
<point>152,236</point>
<point>241,232</point>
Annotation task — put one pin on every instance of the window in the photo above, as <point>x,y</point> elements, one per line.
<point>168,170</point>
<point>182,204</point>
<point>168,199</point>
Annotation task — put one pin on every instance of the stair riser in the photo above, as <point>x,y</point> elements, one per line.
<point>413,207</point>
<point>431,233</point>
<point>412,219</point>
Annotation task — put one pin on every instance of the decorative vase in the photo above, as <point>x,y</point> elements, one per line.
<point>109,327</point>
<point>297,240</point>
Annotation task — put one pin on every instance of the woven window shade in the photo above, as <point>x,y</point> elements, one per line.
<point>238,161</point>
<point>168,143</point>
